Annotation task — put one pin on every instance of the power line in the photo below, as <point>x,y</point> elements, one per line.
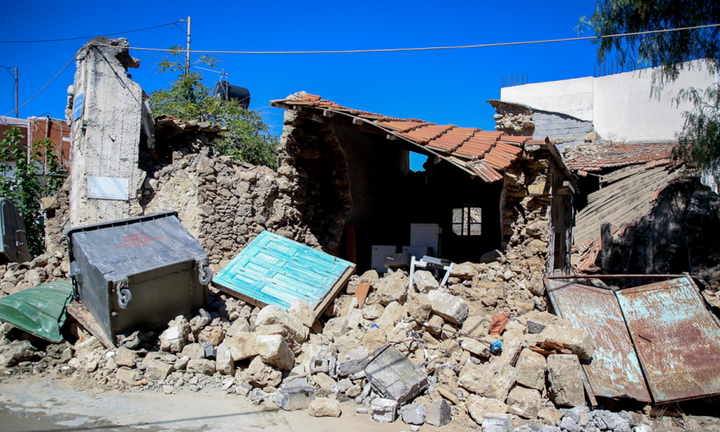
<point>54,78</point>
<point>500,44</point>
<point>88,37</point>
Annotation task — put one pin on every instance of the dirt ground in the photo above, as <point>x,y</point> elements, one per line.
<point>43,404</point>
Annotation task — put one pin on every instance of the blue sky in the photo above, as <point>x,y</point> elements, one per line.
<point>446,87</point>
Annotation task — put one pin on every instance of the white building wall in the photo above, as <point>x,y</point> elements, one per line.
<point>620,106</point>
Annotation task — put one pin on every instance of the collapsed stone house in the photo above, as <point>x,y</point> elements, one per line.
<point>639,209</point>
<point>343,174</point>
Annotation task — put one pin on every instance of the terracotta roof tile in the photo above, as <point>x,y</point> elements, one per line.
<point>485,171</point>
<point>402,126</point>
<point>424,134</point>
<point>597,158</point>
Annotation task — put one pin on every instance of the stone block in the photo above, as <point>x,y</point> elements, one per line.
<point>413,414</point>
<point>496,423</point>
<point>374,338</point>
<point>324,407</point>
<point>271,315</point>
<point>157,370</point>
<point>425,281</point>
<point>391,288</point>
<point>448,306</point>
<point>298,394</point>
<point>16,352</point>
<point>531,369</point>
<point>224,361</point>
<point>275,351</point>
<point>324,382</point>
<point>302,310</point>
<point>240,325</point>
<point>478,406</point>
<point>336,327</point>
<point>126,357</point>
<point>129,376</point>
<point>420,308</point>
<point>174,338</point>
<point>394,376</point>
<point>242,346</point>
<point>391,315</point>
<point>383,410</point>
<point>464,271</point>
<point>438,413</point>
<point>261,375</point>
<point>475,348</point>
<point>204,367</point>
<point>490,380</point>
<point>350,362</point>
<point>565,378</point>
<point>524,402</point>
<point>576,340</point>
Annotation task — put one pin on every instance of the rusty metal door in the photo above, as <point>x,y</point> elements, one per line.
<point>677,339</point>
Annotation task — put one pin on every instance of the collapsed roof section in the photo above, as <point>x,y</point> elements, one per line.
<point>485,154</point>
<point>587,159</point>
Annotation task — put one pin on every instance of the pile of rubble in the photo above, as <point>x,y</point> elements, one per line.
<point>424,355</point>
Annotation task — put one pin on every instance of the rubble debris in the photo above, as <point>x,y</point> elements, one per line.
<point>565,378</point>
<point>438,413</point>
<point>295,395</point>
<point>311,275</point>
<point>395,377</point>
<point>39,311</point>
<point>324,407</point>
<point>496,423</point>
<point>384,410</point>
<point>414,414</point>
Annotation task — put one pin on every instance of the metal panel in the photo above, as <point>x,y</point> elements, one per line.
<point>13,245</point>
<point>614,371</point>
<point>40,310</point>
<point>677,339</point>
<point>276,271</point>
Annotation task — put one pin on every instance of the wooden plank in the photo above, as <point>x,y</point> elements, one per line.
<point>334,292</point>
<point>83,316</point>
<point>362,292</point>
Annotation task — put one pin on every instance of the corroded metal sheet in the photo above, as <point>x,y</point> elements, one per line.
<point>614,371</point>
<point>677,339</point>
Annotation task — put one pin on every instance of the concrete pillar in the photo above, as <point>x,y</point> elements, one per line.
<point>106,128</point>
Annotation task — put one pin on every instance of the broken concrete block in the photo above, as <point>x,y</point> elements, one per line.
<point>394,376</point>
<point>242,346</point>
<point>275,351</point>
<point>524,402</point>
<point>576,340</point>
<point>157,370</point>
<point>350,362</point>
<point>565,377</point>
<point>324,407</point>
<point>476,348</point>
<point>478,406</point>
<point>531,369</point>
<point>224,361</point>
<point>324,381</point>
<point>496,423</point>
<point>324,361</point>
<point>297,394</point>
<point>413,414</point>
<point>383,410</point>
<point>438,413</point>
<point>448,306</point>
<point>425,281</point>
<point>271,315</point>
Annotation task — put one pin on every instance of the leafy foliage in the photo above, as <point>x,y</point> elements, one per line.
<point>699,140</point>
<point>25,186</point>
<point>670,51</point>
<point>247,137</point>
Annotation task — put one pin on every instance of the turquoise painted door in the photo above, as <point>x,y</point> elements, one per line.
<point>277,271</point>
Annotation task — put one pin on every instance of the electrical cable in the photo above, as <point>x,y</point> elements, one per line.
<point>46,85</point>
<point>499,44</point>
<point>89,37</point>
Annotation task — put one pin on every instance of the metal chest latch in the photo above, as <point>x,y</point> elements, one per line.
<point>205,274</point>
<point>124,295</point>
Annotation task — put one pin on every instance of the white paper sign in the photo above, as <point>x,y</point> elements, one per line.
<point>108,188</point>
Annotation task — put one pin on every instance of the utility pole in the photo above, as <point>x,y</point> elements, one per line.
<point>17,110</point>
<point>187,54</point>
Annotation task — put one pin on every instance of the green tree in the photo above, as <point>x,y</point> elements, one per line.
<point>25,184</point>
<point>670,53</point>
<point>247,137</point>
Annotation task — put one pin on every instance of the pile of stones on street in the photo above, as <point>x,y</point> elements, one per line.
<point>417,355</point>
